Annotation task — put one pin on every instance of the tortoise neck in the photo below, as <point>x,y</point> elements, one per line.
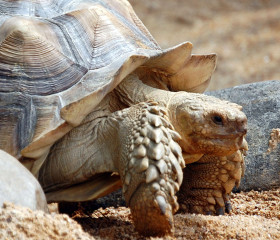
<point>132,91</point>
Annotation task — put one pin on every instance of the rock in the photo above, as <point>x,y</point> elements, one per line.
<point>261,104</point>
<point>19,186</point>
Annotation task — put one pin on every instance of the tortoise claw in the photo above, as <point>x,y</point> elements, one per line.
<point>228,206</point>
<point>220,211</point>
<point>161,203</point>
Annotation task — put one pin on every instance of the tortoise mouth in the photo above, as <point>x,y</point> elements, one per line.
<point>225,136</point>
<point>221,136</point>
<point>195,147</point>
<point>227,144</point>
<point>214,145</point>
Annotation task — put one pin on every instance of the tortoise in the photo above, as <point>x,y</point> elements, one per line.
<point>90,103</point>
<point>30,194</point>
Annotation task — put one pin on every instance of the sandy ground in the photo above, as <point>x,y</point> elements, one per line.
<point>244,34</point>
<point>256,215</point>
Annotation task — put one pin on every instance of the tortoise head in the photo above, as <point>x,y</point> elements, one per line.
<point>208,125</point>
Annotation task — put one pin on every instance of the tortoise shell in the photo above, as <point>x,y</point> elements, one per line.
<point>58,59</point>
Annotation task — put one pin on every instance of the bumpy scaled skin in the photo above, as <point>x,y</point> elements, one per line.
<point>211,131</point>
<point>150,167</point>
<point>208,183</point>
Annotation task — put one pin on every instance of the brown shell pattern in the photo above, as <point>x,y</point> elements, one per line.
<point>59,58</point>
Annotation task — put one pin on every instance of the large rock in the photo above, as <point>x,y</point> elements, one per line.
<point>261,104</point>
<point>19,186</point>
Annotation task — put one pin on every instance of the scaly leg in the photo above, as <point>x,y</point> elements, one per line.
<point>150,167</point>
<point>208,183</point>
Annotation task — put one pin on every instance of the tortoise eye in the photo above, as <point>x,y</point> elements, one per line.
<point>217,120</point>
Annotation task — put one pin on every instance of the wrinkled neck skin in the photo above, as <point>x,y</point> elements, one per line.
<point>132,91</point>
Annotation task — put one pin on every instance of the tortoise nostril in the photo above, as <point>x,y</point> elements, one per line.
<point>217,120</point>
<point>242,130</point>
<point>242,125</point>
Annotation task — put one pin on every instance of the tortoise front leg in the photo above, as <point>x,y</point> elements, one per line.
<point>208,183</point>
<point>150,167</point>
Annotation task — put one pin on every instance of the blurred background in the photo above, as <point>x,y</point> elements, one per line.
<point>244,33</point>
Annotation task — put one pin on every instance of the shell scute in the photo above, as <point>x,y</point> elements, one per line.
<point>65,56</point>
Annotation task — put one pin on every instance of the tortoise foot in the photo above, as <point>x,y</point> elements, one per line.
<point>152,171</point>
<point>152,213</point>
<point>208,183</point>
